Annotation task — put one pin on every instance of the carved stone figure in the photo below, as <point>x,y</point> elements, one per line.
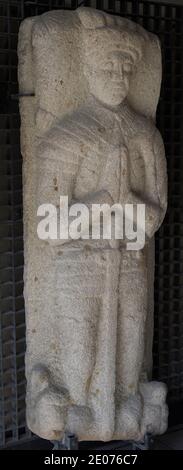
<point>89,134</point>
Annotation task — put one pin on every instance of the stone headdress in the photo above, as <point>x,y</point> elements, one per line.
<point>102,32</point>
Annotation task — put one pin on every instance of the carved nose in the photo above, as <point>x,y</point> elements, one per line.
<point>121,71</point>
<point>118,69</point>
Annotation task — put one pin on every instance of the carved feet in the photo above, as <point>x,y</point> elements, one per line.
<point>52,413</point>
<point>143,413</point>
<point>155,410</point>
<point>47,415</point>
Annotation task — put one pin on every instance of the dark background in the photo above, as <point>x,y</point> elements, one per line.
<point>166,20</point>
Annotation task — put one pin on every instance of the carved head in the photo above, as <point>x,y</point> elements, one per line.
<point>108,76</point>
<point>111,49</point>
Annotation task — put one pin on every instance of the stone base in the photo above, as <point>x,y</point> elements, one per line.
<point>53,414</point>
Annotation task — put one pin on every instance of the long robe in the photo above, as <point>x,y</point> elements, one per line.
<point>81,155</point>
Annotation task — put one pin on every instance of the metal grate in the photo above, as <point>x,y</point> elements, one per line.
<point>166,21</point>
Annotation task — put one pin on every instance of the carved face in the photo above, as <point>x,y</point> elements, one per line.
<point>109,77</point>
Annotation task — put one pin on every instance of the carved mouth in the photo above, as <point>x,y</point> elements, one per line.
<point>118,83</point>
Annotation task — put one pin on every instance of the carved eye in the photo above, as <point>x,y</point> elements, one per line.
<point>109,66</point>
<point>127,67</point>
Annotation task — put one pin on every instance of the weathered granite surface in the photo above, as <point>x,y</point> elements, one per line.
<point>90,130</point>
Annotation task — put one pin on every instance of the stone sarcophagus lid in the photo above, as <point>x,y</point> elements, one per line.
<point>89,85</point>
